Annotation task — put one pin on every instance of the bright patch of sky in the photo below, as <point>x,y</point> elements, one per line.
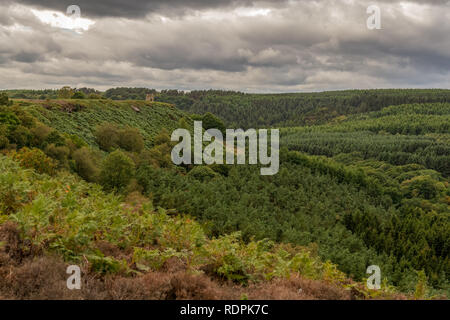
<point>63,21</point>
<point>236,13</point>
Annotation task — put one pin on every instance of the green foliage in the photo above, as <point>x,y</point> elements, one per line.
<point>150,119</point>
<point>4,99</point>
<point>76,141</point>
<point>293,109</point>
<point>399,135</point>
<point>9,119</point>
<point>351,212</point>
<point>56,138</point>
<point>212,122</point>
<point>48,94</point>
<point>95,96</point>
<point>222,169</point>
<point>40,134</point>
<point>357,188</point>
<point>184,124</point>
<point>65,92</point>
<point>162,138</point>
<point>154,259</point>
<point>21,136</point>
<point>13,192</point>
<point>35,159</point>
<point>59,153</point>
<point>202,173</point>
<point>128,93</point>
<point>130,139</point>
<point>422,186</point>
<point>421,287</point>
<point>282,207</point>
<point>4,142</point>
<point>160,155</point>
<point>85,164</point>
<point>78,95</point>
<point>72,216</point>
<point>107,136</point>
<point>241,262</point>
<point>26,119</point>
<point>117,171</point>
<point>106,265</point>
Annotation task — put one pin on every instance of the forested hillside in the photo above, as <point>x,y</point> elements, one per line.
<point>367,185</point>
<point>65,116</point>
<point>280,110</point>
<point>405,134</point>
<point>239,109</point>
<point>141,252</point>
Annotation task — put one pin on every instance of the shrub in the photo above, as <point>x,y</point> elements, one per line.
<point>117,171</point>
<point>158,156</point>
<point>85,164</point>
<point>26,119</point>
<point>78,95</point>
<point>4,142</point>
<point>421,286</point>
<point>56,138</point>
<point>20,136</point>
<point>182,123</point>
<point>60,153</point>
<point>75,142</point>
<point>422,186</point>
<point>210,121</point>
<point>4,100</point>
<point>134,187</point>
<point>9,119</point>
<point>35,159</point>
<point>105,265</point>
<point>130,139</point>
<point>222,169</point>
<point>202,173</point>
<point>154,259</point>
<point>65,92</point>
<point>39,134</point>
<point>162,138</point>
<point>95,96</point>
<point>107,136</point>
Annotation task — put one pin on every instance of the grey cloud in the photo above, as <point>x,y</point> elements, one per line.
<point>298,46</point>
<point>27,57</point>
<point>137,8</point>
<point>140,8</point>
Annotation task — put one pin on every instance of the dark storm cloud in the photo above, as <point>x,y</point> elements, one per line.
<point>273,46</point>
<point>138,8</point>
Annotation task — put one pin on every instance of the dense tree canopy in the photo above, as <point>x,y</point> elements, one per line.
<point>363,183</point>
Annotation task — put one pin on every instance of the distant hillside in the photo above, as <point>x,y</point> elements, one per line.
<point>405,134</point>
<point>80,117</point>
<point>293,109</point>
<point>245,110</point>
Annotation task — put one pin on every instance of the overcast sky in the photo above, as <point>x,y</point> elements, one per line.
<point>253,46</point>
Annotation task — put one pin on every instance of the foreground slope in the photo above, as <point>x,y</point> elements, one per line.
<point>128,250</point>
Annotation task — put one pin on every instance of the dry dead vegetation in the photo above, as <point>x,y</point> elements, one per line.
<point>27,273</point>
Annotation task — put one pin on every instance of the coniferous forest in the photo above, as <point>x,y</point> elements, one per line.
<point>86,178</point>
